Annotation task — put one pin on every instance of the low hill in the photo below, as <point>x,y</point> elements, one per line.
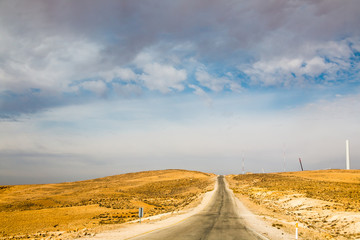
<point>38,211</point>
<point>332,175</point>
<point>326,203</point>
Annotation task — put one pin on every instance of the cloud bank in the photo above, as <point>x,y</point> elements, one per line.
<point>56,50</point>
<point>206,79</point>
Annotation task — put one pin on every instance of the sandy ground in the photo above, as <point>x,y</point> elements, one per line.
<point>317,219</point>
<point>150,224</point>
<point>254,222</point>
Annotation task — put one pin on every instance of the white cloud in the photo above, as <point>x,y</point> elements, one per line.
<point>50,64</point>
<point>128,89</point>
<point>216,84</point>
<point>294,67</point>
<point>97,86</point>
<point>315,67</point>
<point>144,58</point>
<point>124,74</point>
<point>200,92</point>
<point>163,78</point>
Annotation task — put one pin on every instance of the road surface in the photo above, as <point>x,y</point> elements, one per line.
<point>218,221</point>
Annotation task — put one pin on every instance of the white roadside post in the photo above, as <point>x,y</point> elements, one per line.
<point>297,231</point>
<point>141,213</point>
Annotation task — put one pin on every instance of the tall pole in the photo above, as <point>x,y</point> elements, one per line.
<point>302,169</point>
<point>347,155</point>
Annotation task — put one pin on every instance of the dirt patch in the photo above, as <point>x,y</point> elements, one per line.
<point>324,209</point>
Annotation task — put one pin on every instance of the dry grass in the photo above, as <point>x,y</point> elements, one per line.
<point>56,210</point>
<point>312,185</point>
<point>334,175</point>
<point>326,202</point>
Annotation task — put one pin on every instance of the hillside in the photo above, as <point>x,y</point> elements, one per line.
<point>325,203</point>
<point>65,209</point>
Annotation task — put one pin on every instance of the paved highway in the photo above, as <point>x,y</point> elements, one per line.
<point>218,221</point>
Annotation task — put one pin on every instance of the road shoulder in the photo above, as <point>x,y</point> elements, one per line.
<point>256,223</point>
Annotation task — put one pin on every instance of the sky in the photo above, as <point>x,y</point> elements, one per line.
<point>97,88</point>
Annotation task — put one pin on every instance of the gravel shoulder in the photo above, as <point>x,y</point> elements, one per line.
<point>256,222</point>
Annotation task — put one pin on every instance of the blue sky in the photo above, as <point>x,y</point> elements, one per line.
<point>90,89</point>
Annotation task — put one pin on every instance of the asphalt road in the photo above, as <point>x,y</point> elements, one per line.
<point>217,221</point>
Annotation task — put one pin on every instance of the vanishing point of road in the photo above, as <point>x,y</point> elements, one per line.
<point>218,221</point>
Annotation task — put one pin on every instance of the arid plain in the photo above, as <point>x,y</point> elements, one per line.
<point>75,209</point>
<point>325,203</point>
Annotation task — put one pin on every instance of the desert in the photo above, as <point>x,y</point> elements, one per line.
<point>324,203</point>
<point>75,209</point>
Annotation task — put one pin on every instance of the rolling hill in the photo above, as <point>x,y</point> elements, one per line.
<point>63,209</point>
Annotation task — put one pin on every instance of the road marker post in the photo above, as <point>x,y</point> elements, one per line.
<point>141,213</point>
<point>297,231</point>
